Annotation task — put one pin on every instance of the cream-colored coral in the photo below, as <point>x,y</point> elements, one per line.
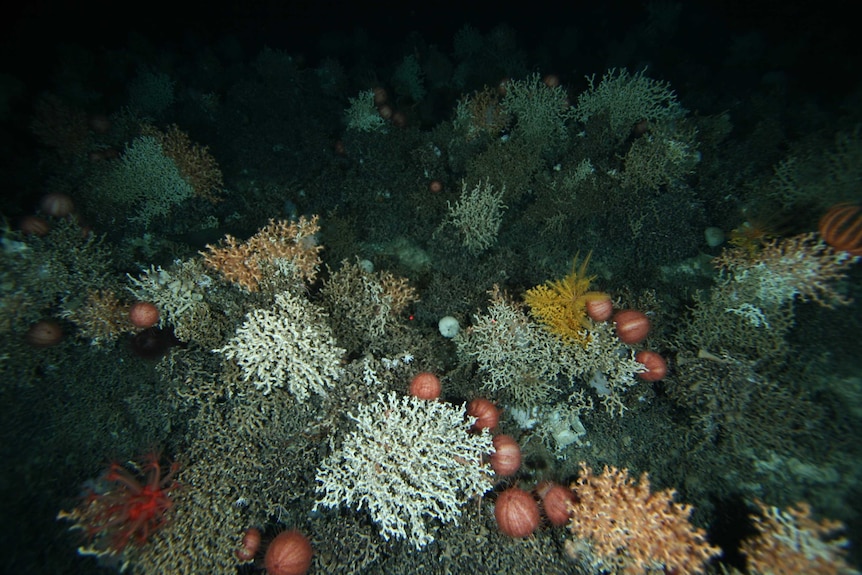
<point>801,266</point>
<point>180,294</point>
<point>362,114</point>
<point>627,99</point>
<point>620,526</point>
<point>525,363</point>
<point>407,461</point>
<point>477,216</point>
<point>288,346</point>
<point>541,111</point>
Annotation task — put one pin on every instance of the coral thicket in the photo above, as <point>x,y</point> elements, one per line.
<point>288,346</point>
<point>791,541</point>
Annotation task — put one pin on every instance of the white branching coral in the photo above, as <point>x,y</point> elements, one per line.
<point>362,115</point>
<point>288,346</point>
<point>408,460</point>
<point>477,216</point>
<point>627,99</point>
<point>524,363</point>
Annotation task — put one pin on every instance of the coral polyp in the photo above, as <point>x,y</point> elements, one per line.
<point>129,503</point>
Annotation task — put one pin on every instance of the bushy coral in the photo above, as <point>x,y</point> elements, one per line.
<point>621,526</point>
<point>251,263</point>
<point>195,163</point>
<point>801,266</point>
<point>288,346</point>
<point>524,363</point>
<point>791,541</point>
<point>750,309</point>
<point>101,318</point>
<point>151,93</point>
<point>361,115</point>
<point>407,461</point>
<point>481,114</point>
<point>183,294</point>
<point>660,157</point>
<point>144,182</point>
<point>477,216</point>
<point>541,111</point>
<point>365,305</point>
<point>623,100</point>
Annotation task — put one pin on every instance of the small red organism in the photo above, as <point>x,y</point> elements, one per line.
<point>132,503</point>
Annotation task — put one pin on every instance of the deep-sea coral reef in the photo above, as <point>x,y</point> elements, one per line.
<point>407,460</point>
<point>621,526</point>
<point>625,99</point>
<point>749,311</point>
<point>791,541</point>
<point>801,266</point>
<point>195,163</point>
<point>144,182</point>
<point>288,346</point>
<point>186,297</point>
<point>541,111</point>
<point>364,305</point>
<point>101,318</point>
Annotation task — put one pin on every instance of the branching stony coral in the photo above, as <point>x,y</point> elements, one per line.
<point>541,111</point>
<point>143,182</point>
<point>407,460</point>
<point>627,99</point>
<point>477,216</point>
<point>524,363</point>
<point>287,346</point>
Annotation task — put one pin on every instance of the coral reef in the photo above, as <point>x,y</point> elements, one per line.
<point>101,319</point>
<point>144,184</point>
<point>622,100</point>
<point>524,363</point>
<point>366,307</point>
<point>476,216</point>
<point>195,163</point>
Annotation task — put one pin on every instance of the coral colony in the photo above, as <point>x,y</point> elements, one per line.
<point>435,306</point>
